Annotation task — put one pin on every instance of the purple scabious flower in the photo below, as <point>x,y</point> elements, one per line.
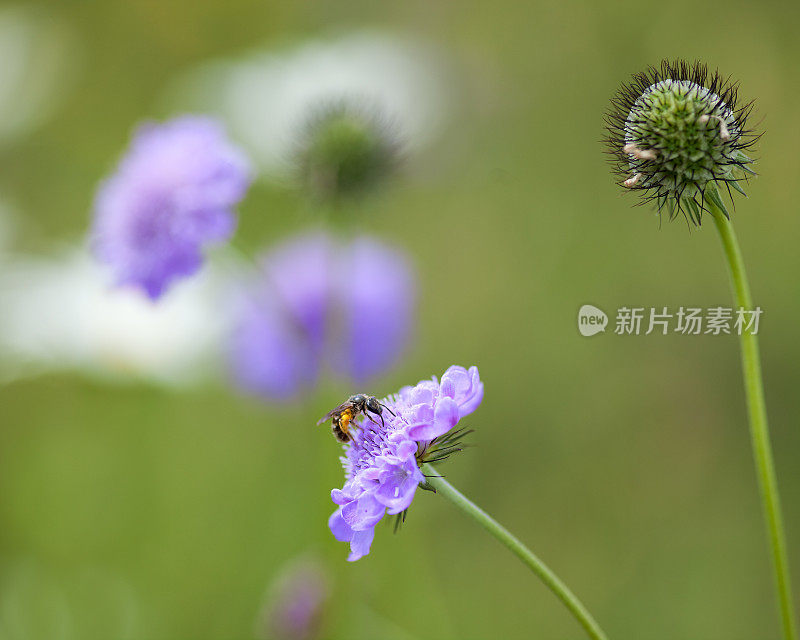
<point>382,462</point>
<point>319,301</point>
<point>377,287</point>
<point>172,194</point>
<point>278,337</point>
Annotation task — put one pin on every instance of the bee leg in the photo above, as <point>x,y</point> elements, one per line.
<point>383,425</point>
<point>388,409</point>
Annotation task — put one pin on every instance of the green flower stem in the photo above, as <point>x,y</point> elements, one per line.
<point>759,431</point>
<point>546,575</point>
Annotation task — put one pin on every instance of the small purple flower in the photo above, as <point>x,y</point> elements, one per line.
<point>296,604</point>
<point>381,463</point>
<point>321,301</point>
<point>172,194</point>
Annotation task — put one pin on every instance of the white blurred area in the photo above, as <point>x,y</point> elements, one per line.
<point>266,97</point>
<point>37,62</point>
<point>60,313</point>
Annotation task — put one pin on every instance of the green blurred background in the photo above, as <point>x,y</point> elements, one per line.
<point>132,511</point>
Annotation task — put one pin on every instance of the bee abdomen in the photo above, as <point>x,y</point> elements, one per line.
<point>341,436</point>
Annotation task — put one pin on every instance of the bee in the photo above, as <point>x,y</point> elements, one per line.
<point>342,416</point>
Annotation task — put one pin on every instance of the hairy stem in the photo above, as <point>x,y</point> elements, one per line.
<point>757,411</point>
<point>550,579</point>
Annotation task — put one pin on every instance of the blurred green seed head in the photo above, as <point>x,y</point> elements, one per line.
<point>677,130</point>
<point>345,150</point>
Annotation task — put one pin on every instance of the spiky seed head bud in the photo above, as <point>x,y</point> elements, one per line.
<point>346,148</point>
<point>675,131</point>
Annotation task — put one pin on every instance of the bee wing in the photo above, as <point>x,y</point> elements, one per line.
<point>332,413</point>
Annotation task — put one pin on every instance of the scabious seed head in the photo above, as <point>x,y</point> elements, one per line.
<point>382,460</point>
<point>675,131</point>
<point>346,149</point>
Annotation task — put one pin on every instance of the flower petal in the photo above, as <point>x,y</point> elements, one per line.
<point>363,513</point>
<point>339,528</point>
<point>464,386</point>
<point>340,497</point>
<point>421,432</point>
<point>360,544</point>
<point>406,448</point>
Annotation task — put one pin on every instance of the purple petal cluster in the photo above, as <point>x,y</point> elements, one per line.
<point>297,604</point>
<point>172,194</point>
<point>319,301</point>
<point>381,462</point>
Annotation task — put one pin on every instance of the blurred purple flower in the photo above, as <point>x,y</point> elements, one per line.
<point>279,332</point>
<point>296,604</point>
<point>378,288</point>
<point>171,195</point>
<point>381,463</point>
<point>269,354</point>
<point>318,300</point>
